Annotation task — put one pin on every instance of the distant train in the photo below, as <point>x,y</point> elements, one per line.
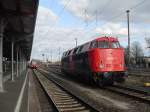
<point>33,65</point>
<point>100,61</point>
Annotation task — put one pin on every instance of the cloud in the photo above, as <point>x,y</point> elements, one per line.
<point>45,19</point>
<point>112,28</point>
<point>54,39</point>
<point>46,16</point>
<point>106,9</point>
<point>49,39</point>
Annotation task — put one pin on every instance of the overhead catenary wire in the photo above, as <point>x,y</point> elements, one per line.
<point>114,17</point>
<point>118,15</point>
<point>131,8</point>
<point>60,14</point>
<point>65,6</point>
<point>104,7</point>
<point>108,2</point>
<point>108,21</point>
<point>137,5</point>
<point>102,10</point>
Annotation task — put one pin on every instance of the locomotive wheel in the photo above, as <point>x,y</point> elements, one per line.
<point>95,79</point>
<point>101,82</point>
<point>90,81</point>
<point>111,82</point>
<point>120,80</point>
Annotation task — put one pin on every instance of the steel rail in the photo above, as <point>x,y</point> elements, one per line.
<point>132,92</point>
<point>62,99</point>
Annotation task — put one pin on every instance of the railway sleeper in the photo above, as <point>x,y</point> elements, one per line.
<point>73,109</point>
<point>69,106</point>
<point>59,98</point>
<point>67,100</point>
<point>67,103</point>
<point>131,94</point>
<point>56,96</point>
<point>64,103</point>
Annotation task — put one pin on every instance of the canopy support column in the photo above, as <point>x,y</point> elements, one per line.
<point>1,54</point>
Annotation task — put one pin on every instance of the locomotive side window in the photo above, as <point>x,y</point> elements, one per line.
<point>115,45</point>
<point>103,44</point>
<point>75,50</point>
<point>68,53</point>
<point>94,44</point>
<point>85,47</point>
<point>63,54</point>
<point>79,49</point>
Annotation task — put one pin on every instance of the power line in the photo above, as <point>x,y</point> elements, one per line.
<point>104,7</point>
<point>120,14</point>
<point>137,5</point>
<point>65,6</point>
<point>60,14</point>
<point>115,17</point>
<point>131,8</point>
<point>102,11</point>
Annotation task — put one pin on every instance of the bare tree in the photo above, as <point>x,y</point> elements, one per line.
<point>148,42</point>
<point>136,50</point>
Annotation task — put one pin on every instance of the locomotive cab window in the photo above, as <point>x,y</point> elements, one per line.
<point>103,44</point>
<point>115,44</point>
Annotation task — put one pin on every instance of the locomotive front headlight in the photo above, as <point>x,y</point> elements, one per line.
<point>121,65</point>
<point>101,65</point>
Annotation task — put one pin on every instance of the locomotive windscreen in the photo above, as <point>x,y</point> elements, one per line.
<point>103,44</point>
<point>115,44</point>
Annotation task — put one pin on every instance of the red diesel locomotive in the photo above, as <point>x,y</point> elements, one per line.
<point>100,60</point>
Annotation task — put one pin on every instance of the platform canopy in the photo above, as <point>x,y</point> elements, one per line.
<point>20,18</point>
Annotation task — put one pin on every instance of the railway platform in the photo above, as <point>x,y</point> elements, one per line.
<point>14,96</point>
<point>17,26</point>
<point>21,94</point>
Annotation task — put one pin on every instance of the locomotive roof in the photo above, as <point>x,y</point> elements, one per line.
<point>97,39</point>
<point>106,39</point>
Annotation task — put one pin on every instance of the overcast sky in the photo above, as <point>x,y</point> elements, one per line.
<point>59,22</point>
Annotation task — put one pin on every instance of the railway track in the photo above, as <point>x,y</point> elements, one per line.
<point>138,73</point>
<point>133,92</point>
<point>45,103</point>
<point>62,99</point>
<point>130,92</point>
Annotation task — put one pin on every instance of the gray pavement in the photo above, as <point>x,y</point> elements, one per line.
<point>9,98</point>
